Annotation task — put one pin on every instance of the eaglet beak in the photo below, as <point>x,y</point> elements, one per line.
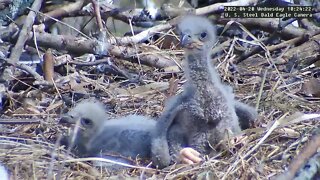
<point>185,39</point>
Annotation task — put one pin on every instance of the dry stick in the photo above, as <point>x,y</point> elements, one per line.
<point>309,25</point>
<point>35,43</point>
<point>144,34</point>
<point>17,140</point>
<point>302,158</point>
<point>55,86</point>
<point>276,33</point>
<point>124,73</point>
<point>23,36</point>
<point>143,171</point>
<point>307,51</point>
<point>19,121</point>
<point>271,48</point>
<point>68,43</point>
<point>96,9</point>
<point>52,159</point>
<point>30,71</point>
<point>72,44</point>
<point>151,31</point>
<point>92,63</point>
<point>29,86</point>
<point>174,171</point>
<point>135,47</point>
<point>273,127</point>
<point>269,25</point>
<point>58,21</point>
<point>63,11</point>
<point>282,121</point>
<point>230,51</point>
<point>72,143</point>
<point>253,149</point>
<point>273,64</point>
<point>109,161</point>
<point>263,46</point>
<point>261,88</point>
<point>284,44</point>
<point>161,27</point>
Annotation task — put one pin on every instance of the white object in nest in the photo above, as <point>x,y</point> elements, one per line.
<point>3,173</point>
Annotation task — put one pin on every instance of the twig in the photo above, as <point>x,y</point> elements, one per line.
<point>271,25</point>
<point>63,11</point>
<point>23,35</point>
<point>96,9</point>
<point>261,88</point>
<point>161,27</point>
<point>89,46</point>
<point>92,63</point>
<point>109,161</point>
<point>284,44</point>
<point>53,158</point>
<point>30,71</point>
<point>135,46</point>
<point>19,121</point>
<point>272,128</point>
<point>61,22</point>
<point>302,158</point>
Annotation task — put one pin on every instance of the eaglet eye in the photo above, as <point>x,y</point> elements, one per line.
<point>203,35</point>
<point>86,122</point>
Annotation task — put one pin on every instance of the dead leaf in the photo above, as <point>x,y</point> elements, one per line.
<point>311,88</point>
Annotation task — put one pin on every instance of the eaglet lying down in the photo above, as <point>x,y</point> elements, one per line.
<point>100,136</point>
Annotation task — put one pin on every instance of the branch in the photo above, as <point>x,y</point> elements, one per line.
<point>23,35</point>
<point>162,27</point>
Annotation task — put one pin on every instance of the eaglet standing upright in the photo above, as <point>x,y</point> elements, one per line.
<point>202,114</point>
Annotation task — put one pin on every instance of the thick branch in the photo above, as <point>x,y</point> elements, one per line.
<point>23,36</point>
<point>161,27</point>
<point>81,46</point>
<point>269,25</point>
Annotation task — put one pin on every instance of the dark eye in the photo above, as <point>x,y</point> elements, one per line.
<point>86,122</point>
<point>203,35</point>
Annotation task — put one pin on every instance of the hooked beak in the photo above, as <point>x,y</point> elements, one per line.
<point>185,39</point>
<point>65,119</point>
